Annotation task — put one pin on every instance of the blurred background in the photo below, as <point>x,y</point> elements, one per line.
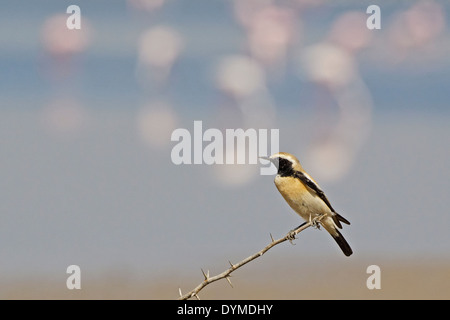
<point>86,176</point>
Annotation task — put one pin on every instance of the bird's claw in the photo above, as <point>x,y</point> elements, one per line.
<point>291,236</point>
<point>315,222</point>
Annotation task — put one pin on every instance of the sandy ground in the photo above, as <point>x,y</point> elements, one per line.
<point>399,280</point>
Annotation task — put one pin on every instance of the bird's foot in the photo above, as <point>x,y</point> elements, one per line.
<point>291,236</point>
<point>315,222</point>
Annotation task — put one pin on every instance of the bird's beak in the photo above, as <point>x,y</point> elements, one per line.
<point>266,158</point>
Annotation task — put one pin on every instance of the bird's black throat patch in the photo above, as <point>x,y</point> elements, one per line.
<point>285,167</point>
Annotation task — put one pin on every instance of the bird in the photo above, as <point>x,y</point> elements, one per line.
<point>306,198</point>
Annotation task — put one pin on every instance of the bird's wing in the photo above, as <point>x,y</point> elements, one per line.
<point>309,182</point>
<point>314,187</point>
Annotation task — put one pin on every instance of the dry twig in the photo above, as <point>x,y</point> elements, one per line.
<point>226,274</point>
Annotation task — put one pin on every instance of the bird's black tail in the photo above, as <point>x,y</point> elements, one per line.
<point>343,244</point>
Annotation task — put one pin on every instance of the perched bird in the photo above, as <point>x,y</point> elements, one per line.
<point>305,196</point>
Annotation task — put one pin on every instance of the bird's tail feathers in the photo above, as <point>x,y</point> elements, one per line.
<point>337,218</point>
<point>339,238</point>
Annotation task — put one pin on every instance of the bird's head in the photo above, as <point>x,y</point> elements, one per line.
<point>285,162</point>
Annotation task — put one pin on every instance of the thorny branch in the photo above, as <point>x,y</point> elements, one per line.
<point>226,274</point>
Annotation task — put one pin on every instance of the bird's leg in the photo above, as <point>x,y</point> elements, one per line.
<point>291,234</point>
<point>315,222</point>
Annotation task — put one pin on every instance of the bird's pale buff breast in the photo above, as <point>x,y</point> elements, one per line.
<point>299,198</point>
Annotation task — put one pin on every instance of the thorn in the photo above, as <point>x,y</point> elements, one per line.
<point>179,291</point>
<point>232,265</point>
<point>271,237</point>
<point>205,275</point>
<point>196,296</point>
<point>229,281</point>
